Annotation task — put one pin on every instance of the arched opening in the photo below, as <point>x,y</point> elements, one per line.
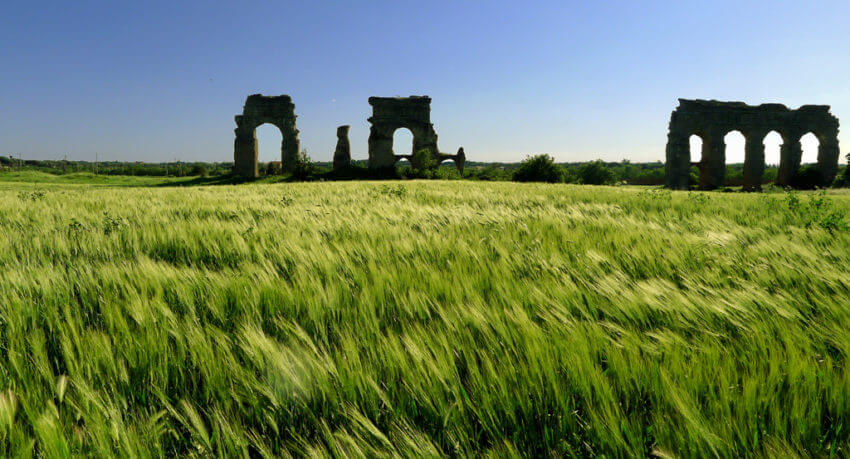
<point>403,142</point>
<point>269,143</point>
<point>772,156</point>
<point>772,149</point>
<point>735,154</point>
<point>810,145</point>
<point>735,143</point>
<point>696,148</point>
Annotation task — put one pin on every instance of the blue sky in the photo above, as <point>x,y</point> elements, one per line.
<point>155,81</point>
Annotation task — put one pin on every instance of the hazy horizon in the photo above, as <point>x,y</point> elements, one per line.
<point>159,82</point>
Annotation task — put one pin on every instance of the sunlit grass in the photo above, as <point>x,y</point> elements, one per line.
<point>420,318</point>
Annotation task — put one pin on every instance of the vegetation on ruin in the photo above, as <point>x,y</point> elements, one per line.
<point>420,318</point>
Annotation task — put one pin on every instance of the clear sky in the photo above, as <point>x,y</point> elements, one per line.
<point>156,81</point>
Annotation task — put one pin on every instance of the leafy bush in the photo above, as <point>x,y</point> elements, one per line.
<point>488,173</point>
<point>274,168</point>
<point>303,166</point>
<point>539,168</point>
<point>843,178</point>
<point>596,173</point>
<point>818,211</point>
<point>199,170</point>
<point>807,178</point>
<point>423,161</point>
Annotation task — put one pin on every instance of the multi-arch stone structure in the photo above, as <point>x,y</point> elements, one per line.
<point>711,120</point>
<point>259,110</point>
<point>413,113</point>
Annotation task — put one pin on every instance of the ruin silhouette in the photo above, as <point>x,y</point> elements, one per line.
<point>259,110</point>
<point>388,115</point>
<point>413,113</point>
<point>342,154</point>
<point>711,120</point>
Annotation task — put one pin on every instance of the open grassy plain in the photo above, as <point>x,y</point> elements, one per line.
<point>421,318</point>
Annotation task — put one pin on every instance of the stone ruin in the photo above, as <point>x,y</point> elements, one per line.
<point>258,110</point>
<point>413,113</point>
<point>388,114</point>
<point>342,154</point>
<point>711,120</point>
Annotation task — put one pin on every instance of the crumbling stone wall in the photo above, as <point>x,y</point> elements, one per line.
<point>342,154</point>
<point>258,110</point>
<point>414,113</point>
<point>711,120</point>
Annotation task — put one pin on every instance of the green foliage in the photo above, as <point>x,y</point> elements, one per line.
<point>35,195</point>
<point>819,210</point>
<point>421,319</point>
<point>422,160</point>
<point>808,178</point>
<point>539,168</point>
<point>596,173</point>
<point>842,180</point>
<point>303,167</point>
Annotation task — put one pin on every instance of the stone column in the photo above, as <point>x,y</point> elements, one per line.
<point>713,164</point>
<point>460,160</point>
<point>380,148</point>
<point>245,152</point>
<point>828,155</point>
<point>753,160</point>
<point>289,147</point>
<point>678,167</point>
<point>342,154</point>
<point>790,154</point>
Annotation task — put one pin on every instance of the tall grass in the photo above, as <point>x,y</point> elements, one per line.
<point>420,319</point>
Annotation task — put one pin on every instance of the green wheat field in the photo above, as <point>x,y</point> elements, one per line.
<point>421,318</point>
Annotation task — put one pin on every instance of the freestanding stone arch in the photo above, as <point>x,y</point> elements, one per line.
<point>259,110</point>
<point>711,120</point>
<point>413,113</point>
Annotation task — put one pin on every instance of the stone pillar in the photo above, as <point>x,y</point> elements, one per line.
<point>753,160</point>
<point>380,148</point>
<point>460,160</point>
<point>342,154</point>
<point>245,152</point>
<point>828,155</point>
<point>789,162</point>
<point>425,138</point>
<point>712,166</point>
<point>289,147</point>
<point>678,166</point>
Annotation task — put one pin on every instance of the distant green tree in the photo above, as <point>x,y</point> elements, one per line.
<point>596,173</point>
<point>539,168</point>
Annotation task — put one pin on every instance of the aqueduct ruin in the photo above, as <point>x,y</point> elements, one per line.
<point>711,120</point>
<point>259,110</point>
<point>413,113</point>
<point>388,114</point>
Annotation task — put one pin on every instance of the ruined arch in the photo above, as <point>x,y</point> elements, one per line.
<point>716,118</point>
<point>413,113</point>
<point>258,110</point>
